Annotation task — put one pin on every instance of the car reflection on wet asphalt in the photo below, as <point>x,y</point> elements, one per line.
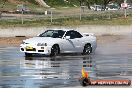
<point>111,60</point>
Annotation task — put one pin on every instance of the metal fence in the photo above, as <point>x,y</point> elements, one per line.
<point>77,13</point>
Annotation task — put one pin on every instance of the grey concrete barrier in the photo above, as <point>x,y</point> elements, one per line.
<point>97,29</point>
<point>107,29</point>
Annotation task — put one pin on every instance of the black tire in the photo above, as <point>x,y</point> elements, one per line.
<point>55,50</point>
<point>87,49</point>
<point>85,82</point>
<point>28,54</point>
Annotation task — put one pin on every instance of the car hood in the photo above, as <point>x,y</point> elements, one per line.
<point>36,40</point>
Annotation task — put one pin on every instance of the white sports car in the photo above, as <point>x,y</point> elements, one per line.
<point>56,41</point>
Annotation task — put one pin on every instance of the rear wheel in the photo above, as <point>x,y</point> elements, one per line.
<point>28,54</point>
<point>87,49</point>
<point>55,50</point>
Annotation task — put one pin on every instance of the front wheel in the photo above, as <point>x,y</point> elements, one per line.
<point>87,49</point>
<point>28,54</point>
<point>55,50</point>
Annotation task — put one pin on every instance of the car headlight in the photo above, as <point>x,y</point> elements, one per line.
<point>42,44</point>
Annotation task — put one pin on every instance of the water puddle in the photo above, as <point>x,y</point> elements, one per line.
<point>18,71</point>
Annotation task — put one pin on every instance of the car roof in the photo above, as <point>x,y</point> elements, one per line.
<point>62,29</point>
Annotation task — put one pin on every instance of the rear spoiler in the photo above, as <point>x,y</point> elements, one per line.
<point>88,34</point>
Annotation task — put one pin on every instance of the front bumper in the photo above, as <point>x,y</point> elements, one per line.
<point>26,48</point>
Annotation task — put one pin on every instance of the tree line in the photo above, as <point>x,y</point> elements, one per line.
<point>101,2</point>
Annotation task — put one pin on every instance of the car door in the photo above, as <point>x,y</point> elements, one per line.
<point>67,44</point>
<point>77,41</point>
<point>73,44</point>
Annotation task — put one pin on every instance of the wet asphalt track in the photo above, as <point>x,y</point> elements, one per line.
<point>111,60</point>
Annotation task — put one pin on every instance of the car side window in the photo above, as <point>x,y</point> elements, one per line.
<point>78,35</point>
<point>68,33</point>
<point>73,34</point>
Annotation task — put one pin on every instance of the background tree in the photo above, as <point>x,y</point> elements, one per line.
<point>106,2</point>
<point>86,3</point>
<point>89,2</point>
<point>129,1</point>
<point>100,2</point>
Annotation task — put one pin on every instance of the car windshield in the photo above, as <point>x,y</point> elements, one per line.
<point>53,33</point>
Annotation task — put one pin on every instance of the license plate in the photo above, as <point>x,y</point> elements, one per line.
<point>29,47</point>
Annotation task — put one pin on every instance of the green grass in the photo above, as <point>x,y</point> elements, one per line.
<point>88,18</point>
<point>34,6</point>
<point>7,6</point>
<point>68,21</point>
<point>30,1</point>
<point>62,3</point>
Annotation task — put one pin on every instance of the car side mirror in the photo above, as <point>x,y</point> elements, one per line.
<point>67,37</point>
